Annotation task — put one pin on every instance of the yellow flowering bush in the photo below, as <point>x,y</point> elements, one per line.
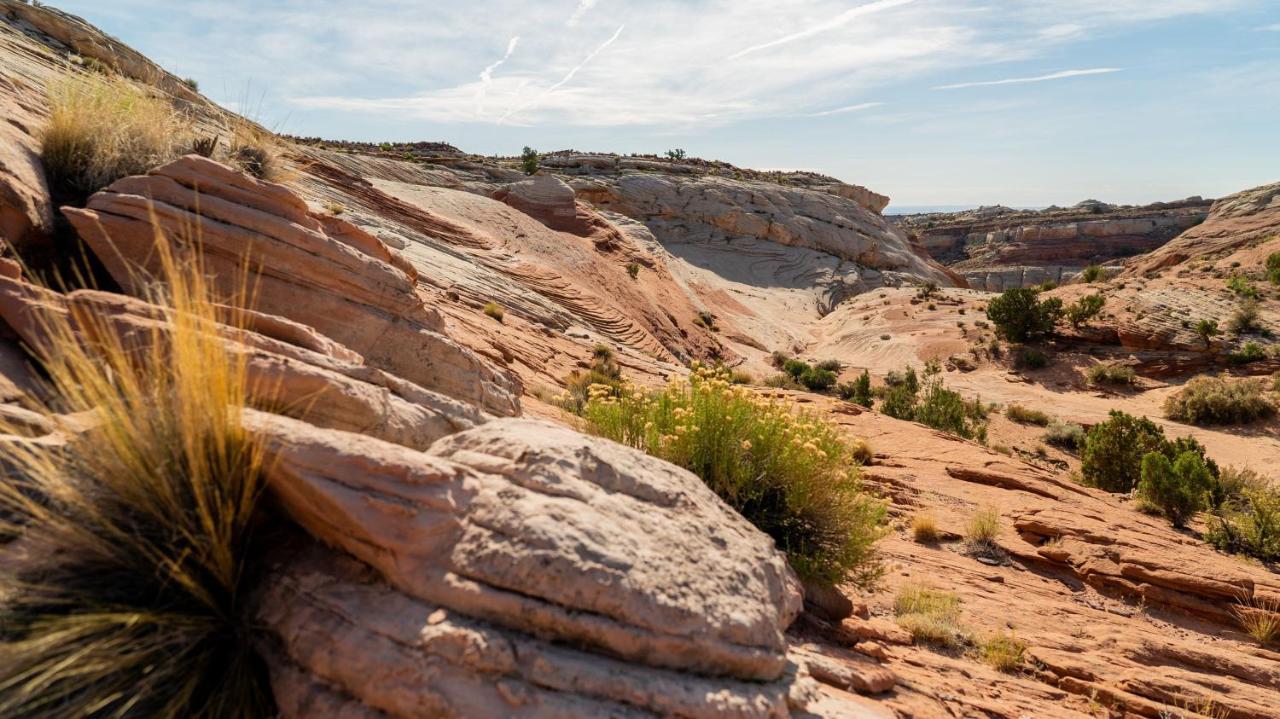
<point>791,474</point>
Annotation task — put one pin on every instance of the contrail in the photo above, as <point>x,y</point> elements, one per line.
<point>849,108</point>
<point>486,75</point>
<point>831,24</point>
<point>566,78</point>
<point>1038,78</point>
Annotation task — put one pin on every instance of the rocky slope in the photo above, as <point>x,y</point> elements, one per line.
<point>996,248</point>
<point>459,550</point>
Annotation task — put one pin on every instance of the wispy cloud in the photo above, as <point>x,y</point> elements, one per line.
<point>486,75</point>
<point>847,108</point>
<point>1039,78</point>
<point>584,6</point>
<point>1270,28</point>
<point>822,27</point>
<point>565,80</point>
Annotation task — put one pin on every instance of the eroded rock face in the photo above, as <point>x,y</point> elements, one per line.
<point>322,272</point>
<point>504,541</point>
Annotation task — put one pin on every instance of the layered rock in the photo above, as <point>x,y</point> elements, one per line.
<point>553,203</point>
<point>323,272</point>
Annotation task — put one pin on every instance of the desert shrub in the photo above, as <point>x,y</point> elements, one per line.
<point>706,319</point>
<point>1179,488</point>
<point>783,381</point>
<point>1207,329</point>
<point>494,310</point>
<point>633,270</point>
<point>790,474</point>
<point>927,291</point>
<point>1219,400</point>
<point>931,615</point>
<point>1030,358</point>
<point>1111,374</point>
<point>603,379</point>
<point>191,83</point>
<point>779,359</point>
<point>931,403</point>
<point>205,146</point>
<point>1067,435</point>
<point>334,208</point>
<point>1019,316</point>
<point>741,376</point>
<point>1273,268</point>
<point>1024,415</point>
<point>858,391</point>
<point>676,154</point>
<point>1235,483</point>
<point>1003,652</point>
<point>1114,449</point>
<point>1091,274</point>
<point>1250,352</point>
<point>818,380</point>
<point>983,528</point>
<point>529,159</point>
<point>1245,318</point>
<point>829,365</point>
<point>1242,287</point>
<point>134,603</point>
<point>1259,617</point>
<point>257,152</point>
<point>861,452</point>
<point>924,529</point>
<point>796,368</point>
<point>101,129</point>
<point>1248,524</point>
<point>1085,309</point>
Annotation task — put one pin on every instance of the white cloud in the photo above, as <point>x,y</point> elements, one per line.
<point>486,75</point>
<point>1270,28</point>
<point>1039,78</point>
<point>584,6</point>
<point>565,80</point>
<point>848,108</point>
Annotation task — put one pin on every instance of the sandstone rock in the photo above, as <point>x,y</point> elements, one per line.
<point>553,203</point>
<point>327,274</point>
<point>26,215</point>
<point>844,669</point>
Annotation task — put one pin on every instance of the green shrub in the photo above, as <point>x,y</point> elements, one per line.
<point>707,320</point>
<point>796,368</point>
<point>1113,451</point>
<point>818,380</point>
<point>676,154</point>
<point>1030,358</point>
<point>1219,400</point>
<point>529,160</point>
<point>1019,316</point>
<point>1248,524</point>
<point>633,270</point>
<point>1067,435</point>
<point>1179,488</point>
<point>1245,318</point>
<point>1111,374</point>
<point>603,378</point>
<point>1085,309</point>
<point>1273,268</point>
<point>858,391</point>
<point>1003,652</point>
<point>1207,329</point>
<point>932,404</point>
<point>792,475</point>
<point>1242,287</point>
<point>779,359</point>
<point>1250,352</point>
<point>1092,274</point>
<point>830,365</point>
<point>1024,415</point>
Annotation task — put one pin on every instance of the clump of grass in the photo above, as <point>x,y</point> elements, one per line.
<point>793,475</point>
<point>983,529</point>
<point>129,600</point>
<point>1247,518</point>
<point>334,208</point>
<point>1003,652</point>
<point>931,615</point>
<point>1025,415</point>
<point>1067,435</point>
<point>924,529</point>
<point>603,378</point>
<point>1246,317</point>
<point>1111,374</point>
<point>101,129</point>
<point>633,270</point>
<point>861,452</point>
<point>494,310</point>
<point>1219,400</point>
<point>1259,617</point>
<point>257,152</point>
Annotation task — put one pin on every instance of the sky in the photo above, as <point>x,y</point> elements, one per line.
<point>932,102</point>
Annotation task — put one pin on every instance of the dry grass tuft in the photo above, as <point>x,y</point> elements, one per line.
<point>494,310</point>
<point>931,615</point>
<point>983,527</point>
<point>924,529</point>
<point>127,598</point>
<point>258,153</point>
<point>104,128</point>
<point>1026,415</point>
<point>1259,617</point>
<point>1002,651</point>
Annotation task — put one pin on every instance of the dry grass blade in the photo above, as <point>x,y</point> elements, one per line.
<point>1259,617</point>
<point>124,583</point>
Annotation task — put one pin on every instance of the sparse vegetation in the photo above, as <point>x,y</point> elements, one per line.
<point>257,152</point>
<point>858,391</point>
<point>983,529</point>
<point>1114,449</point>
<point>1249,352</point>
<point>1067,435</point>
<point>529,160</point>
<point>924,529</point>
<point>1242,287</point>
<point>134,605</point>
<point>1116,375</point>
<point>1273,268</point>
<point>1207,329</point>
<point>1020,316</point>
<point>633,270</point>
<point>676,154</point>
<point>1248,521</point>
<point>494,310</point>
<point>931,615</point>
<point>1179,488</point>
<point>932,404</point>
<point>1245,318</point>
<point>1024,415</point>
<point>1259,617</point>
<point>1084,309</point>
<point>1209,400</point>
<point>1030,358</point>
<point>101,129</point>
<point>792,475</point>
<point>1003,652</point>
<point>603,378</point>
<point>334,208</point>
<point>191,83</point>
<point>1091,274</point>
<point>705,319</point>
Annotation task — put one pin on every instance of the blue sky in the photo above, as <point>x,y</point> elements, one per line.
<point>1026,102</point>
